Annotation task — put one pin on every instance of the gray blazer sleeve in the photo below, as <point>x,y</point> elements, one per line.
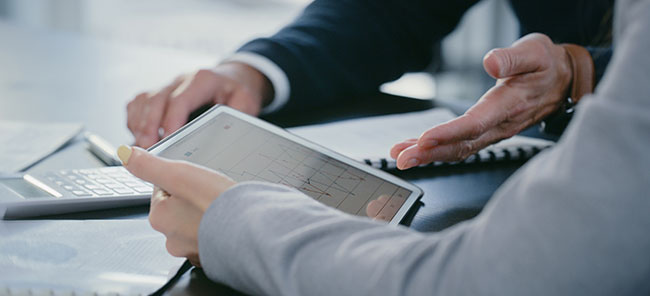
<point>574,220</point>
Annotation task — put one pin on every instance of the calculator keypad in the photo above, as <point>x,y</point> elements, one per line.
<point>108,181</point>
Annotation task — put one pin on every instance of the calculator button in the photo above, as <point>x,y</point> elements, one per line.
<point>107,170</point>
<point>80,181</point>
<point>117,175</point>
<point>123,190</point>
<point>133,184</point>
<point>60,183</point>
<point>103,192</point>
<point>69,188</point>
<point>81,193</point>
<point>72,177</point>
<point>103,180</point>
<point>93,176</point>
<point>113,185</point>
<point>143,189</point>
<point>93,186</point>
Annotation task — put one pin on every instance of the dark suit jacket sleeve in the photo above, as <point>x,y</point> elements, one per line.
<point>586,23</point>
<point>347,48</point>
<point>601,57</point>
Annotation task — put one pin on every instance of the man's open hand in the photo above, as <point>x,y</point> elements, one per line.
<point>533,78</point>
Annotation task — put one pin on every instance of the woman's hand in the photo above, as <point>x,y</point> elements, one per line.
<point>183,191</point>
<point>533,80</point>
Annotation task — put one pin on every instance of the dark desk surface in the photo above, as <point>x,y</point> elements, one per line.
<point>66,78</point>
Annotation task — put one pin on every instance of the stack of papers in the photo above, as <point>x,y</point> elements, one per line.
<point>125,257</point>
<point>22,144</point>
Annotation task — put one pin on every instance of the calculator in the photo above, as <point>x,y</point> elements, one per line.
<point>65,191</point>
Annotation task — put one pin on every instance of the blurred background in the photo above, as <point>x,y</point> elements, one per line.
<point>218,27</point>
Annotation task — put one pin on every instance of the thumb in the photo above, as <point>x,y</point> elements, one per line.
<point>522,57</point>
<point>198,184</point>
<point>145,166</point>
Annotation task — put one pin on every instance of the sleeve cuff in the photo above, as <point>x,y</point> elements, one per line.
<point>272,71</point>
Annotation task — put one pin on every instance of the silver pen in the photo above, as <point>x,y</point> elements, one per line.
<point>102,149</point>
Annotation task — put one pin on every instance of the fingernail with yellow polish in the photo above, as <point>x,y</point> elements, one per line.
<point>124,153</point>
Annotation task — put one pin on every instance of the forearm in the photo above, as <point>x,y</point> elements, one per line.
<point>268,239</point>
<point>338,48</point>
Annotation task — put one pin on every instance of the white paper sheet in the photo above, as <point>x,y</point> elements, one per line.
<point>24,143</point>
<point>374,136</point>
<point>105,256</point>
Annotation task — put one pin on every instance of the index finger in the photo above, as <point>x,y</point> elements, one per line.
<point>489,111</point>
<point>151,114</point>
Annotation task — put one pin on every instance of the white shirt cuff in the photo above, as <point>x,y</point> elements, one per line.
<point>278,78</point>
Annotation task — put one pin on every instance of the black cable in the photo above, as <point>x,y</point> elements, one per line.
<point>182,270</point>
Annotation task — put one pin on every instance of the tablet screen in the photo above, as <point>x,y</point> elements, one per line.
<point>244,151</point>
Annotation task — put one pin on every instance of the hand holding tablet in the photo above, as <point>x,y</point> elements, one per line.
<point>246,148</point>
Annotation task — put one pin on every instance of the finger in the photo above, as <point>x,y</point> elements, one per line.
<point>182,234</point>
<point>133,110</point>
<point>160,211</point>
<point>178,220</point>
<point>522,57</point>
<point>176,115</point>
<point>415,156</point>
<point>151,114</point>
<point>492,109</point>
<point>190,95</point>
<point>456,151</point>
<point>375,206</point>
<point>408,158</point>
<point>180,247</point>
<point>199,90</point>
<point>188,181</point>
<point>397,148</point>
<point>158,171</point>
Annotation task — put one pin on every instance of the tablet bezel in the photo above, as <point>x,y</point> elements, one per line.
<point>416,192</point>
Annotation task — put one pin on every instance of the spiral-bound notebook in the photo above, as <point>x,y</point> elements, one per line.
<point>369,139</point>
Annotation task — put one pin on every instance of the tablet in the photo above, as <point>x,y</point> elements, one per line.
<point>247,148</point>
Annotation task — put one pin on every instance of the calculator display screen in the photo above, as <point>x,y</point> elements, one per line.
<point>23,188</point>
